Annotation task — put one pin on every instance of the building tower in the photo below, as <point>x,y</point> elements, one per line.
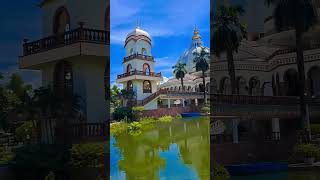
<point>138,65</point>
<point>73,55</point>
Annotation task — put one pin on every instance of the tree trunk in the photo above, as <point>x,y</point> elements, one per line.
<point>204,85</point>
<point>182,84</point>
<point>301,73</point>
<point>231,71</point>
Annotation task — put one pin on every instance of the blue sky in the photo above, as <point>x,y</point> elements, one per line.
<point>169,22</point>
<point>19,20</point>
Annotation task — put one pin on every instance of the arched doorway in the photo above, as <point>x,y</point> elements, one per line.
<point>314,81</point>
<point>241,86</point>
<point>225,86</point>
<point>254,86</point>
<point>63,80</point>
<point>291,82</point>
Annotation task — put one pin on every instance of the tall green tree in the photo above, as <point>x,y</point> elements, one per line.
<point>180,72</point>
<point>227,34</point>
<point>201,64</point>
<point>300,16</point>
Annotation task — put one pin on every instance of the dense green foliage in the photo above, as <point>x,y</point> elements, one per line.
<point>136,128</point>
<point>123,113</point>
<point>307,150</point>
<point>88,154</point>
<point>24,132</point>
<point>6,156</point>
<point>315,129</point>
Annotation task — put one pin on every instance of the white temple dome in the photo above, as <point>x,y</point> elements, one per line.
<point>138,34</point>
<point>187,56</point>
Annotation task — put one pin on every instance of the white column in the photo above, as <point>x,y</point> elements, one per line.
<point>169,105</point>
<point>235,130</point>
<point>275,129</point>
<point>196,101</point>
<point>183,104</point>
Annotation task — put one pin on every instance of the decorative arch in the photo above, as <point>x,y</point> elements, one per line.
<point>214,86</point>
<point>314,81</point>
<point>254,86</point>
<point>241,85</point>
<point>129,68</point>
<point>290,78</point>
<point>225,86</point>
<point>61,20</point>
<point>147,88</point>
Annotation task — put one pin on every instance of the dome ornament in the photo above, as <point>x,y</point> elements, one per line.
<point>196,35</point>
<point>137,24</point>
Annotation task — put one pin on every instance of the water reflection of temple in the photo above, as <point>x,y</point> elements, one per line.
<point>141,155</point>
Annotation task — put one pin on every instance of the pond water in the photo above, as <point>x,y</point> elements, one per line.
<point>297,175</point>
<point>175,150</point>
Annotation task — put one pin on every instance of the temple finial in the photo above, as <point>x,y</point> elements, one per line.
<point>137,24</point>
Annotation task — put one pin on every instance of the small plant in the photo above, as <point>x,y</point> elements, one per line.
<point>178,116</point>
<point>135,128</point>
<point>220,173</point>
<point>206,109</point>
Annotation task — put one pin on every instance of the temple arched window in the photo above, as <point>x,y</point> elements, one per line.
<point>147,86</point>
<point>61,21</point>
<point>146,68</point>
<point>129,68</point>
<point>143,51</point>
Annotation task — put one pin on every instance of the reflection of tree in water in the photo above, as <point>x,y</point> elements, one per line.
<point>140,155</point>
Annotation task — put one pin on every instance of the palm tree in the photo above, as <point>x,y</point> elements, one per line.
<point>200,59</point>
<point>180,71</point>
<point>300,16</point>
<point>227,35</point>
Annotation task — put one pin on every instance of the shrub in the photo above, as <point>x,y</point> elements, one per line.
<point>122,113</point>
<point>315,129</point>
<point>307,150</point>
<point>206,108</point>
<point>5,156</point>
<point>178,116</point>
<point>88,155</point>
<point>24,132</point>
<point>137,112</point>
<point>118,128</point>
<point>165,119</point>
<point>135,128</point>
<point>220,173</point>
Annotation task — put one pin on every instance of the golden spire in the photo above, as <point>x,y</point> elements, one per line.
<point>196,35</point>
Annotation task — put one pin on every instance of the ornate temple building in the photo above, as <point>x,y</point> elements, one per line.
<point>140,77</point>
<point>73,57</point>
<point>265,110</point>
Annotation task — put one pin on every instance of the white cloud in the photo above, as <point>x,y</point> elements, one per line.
<point>159,18</point>
<point>165,79</point>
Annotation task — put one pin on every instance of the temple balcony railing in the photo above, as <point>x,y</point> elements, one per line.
<point>141,73</point>
<point>67,38</point>
<point>138,56</point>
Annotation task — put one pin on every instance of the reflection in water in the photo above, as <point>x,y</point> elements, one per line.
<point>176,150</point>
